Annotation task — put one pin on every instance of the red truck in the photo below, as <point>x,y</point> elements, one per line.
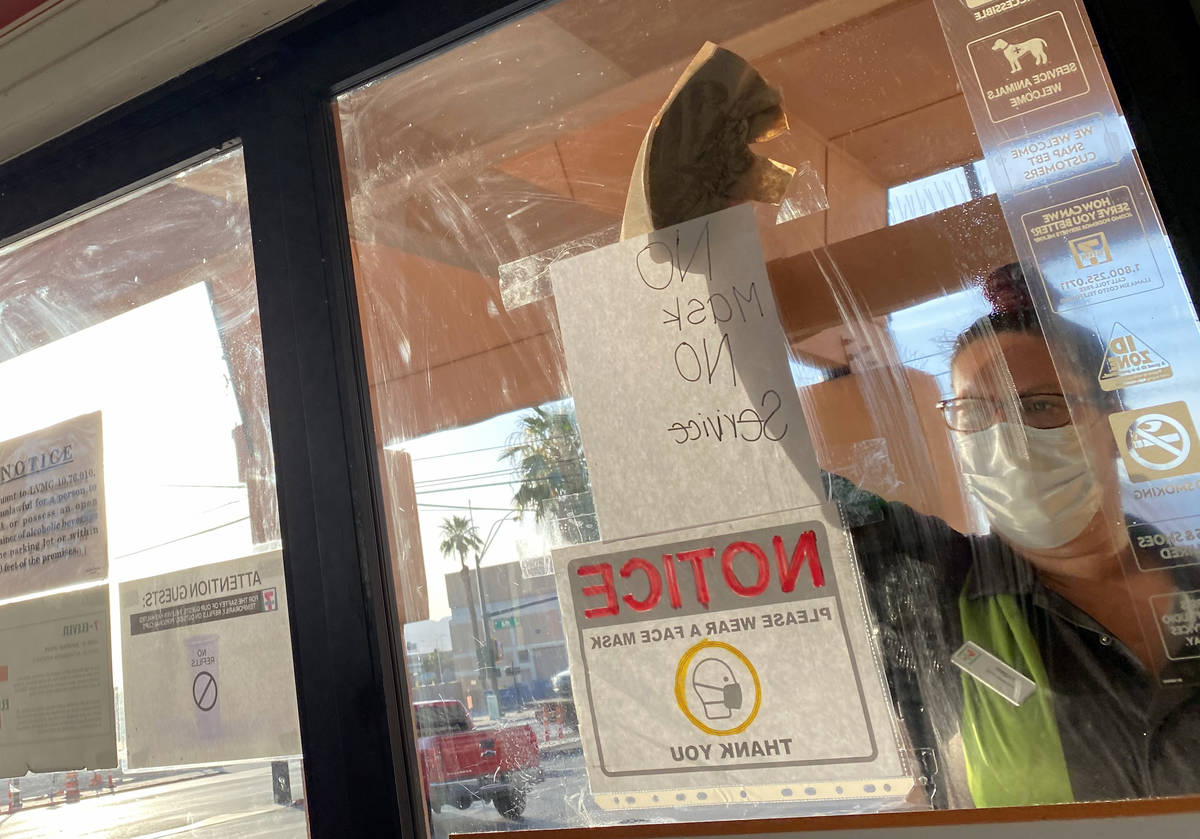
<point>462,764</point>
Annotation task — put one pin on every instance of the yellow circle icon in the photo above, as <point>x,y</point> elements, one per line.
<point>681,683</point>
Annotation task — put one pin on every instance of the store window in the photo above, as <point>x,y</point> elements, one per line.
<point>780,411</point>
<point>146,681</point>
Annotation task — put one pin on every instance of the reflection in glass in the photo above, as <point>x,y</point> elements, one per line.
<point>459,202</point>
<point>146,311</point>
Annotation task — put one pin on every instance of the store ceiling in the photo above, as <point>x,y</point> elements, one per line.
<point>63,62</point>
<point>525,138</point>
<point>441,156</point>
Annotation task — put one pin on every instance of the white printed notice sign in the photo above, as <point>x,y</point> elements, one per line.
<point>56,684</point>
<point>52,525</point>
<point>679,371</point>
<point>208,664</point>
<point>726,663</point>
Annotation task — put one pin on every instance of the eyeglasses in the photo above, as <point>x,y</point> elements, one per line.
<point>1036,410</point>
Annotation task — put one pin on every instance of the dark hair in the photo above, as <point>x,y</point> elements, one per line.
<point>1012,307</point>
<point>1013,311</point>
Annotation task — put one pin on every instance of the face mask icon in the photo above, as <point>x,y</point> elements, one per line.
<point>718,689</point>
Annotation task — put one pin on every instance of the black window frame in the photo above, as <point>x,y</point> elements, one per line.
<point>274,96</point>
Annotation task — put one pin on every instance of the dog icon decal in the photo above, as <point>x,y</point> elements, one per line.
<point>1015,52</point>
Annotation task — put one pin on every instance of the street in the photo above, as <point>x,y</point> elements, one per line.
<point>236,803</point>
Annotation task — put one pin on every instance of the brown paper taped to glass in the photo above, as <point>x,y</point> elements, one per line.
<point>695,158</point>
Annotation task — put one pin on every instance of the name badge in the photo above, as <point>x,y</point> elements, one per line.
<point>990,671</point>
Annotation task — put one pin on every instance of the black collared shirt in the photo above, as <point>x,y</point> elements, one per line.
<point>1124,733</point>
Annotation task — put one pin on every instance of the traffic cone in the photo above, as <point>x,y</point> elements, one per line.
<point>14,797</point>
<point>72,788</point>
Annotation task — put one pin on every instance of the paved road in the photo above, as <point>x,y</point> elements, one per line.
<point>237,804</point>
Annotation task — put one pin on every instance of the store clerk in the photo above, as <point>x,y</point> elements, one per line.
<point>1046,591</point>
<point>1053,591</point>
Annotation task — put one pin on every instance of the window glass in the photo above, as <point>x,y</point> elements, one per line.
<point>146,680</point>
<point>609,457</point>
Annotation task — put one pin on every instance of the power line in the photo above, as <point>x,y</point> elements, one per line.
<point>184,538</point>
<point>203,486</point>
<point>471,507</point>
<point>484,449</point>
<point>481,486</point>
<point>465,476</point>
<point>492,474</point>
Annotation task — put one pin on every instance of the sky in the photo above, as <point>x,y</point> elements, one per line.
<point>459,472</point>
<point>158,376</point>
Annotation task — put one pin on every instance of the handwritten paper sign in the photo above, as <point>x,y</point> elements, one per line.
<point>208,664</point>
<point>56,684</point>
<point>727,663</point>
<point>679,371</point>
<point>52,523</point>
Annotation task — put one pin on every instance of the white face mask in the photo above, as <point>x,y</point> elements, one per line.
<point>1034,483</point>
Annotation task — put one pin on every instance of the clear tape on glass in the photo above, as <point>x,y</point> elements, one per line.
<point>534,559</point>
<point>527,280</point>
<point>805,195</point>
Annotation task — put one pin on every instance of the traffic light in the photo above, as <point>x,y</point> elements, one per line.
<point>488,657</point>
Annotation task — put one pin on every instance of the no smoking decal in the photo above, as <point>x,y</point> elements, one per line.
<point>1157,442</point>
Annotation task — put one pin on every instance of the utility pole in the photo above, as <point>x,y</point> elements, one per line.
<point>516,664</point>
<point>490,655</point>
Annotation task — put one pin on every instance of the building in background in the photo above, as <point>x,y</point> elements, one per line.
<point>428,652</point>
<point>523,618</point>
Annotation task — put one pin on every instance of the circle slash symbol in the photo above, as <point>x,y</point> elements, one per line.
<point>204,690</point>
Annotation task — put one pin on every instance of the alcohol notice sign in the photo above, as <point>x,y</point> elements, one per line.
<point>56,685</point>
<point>731,661</point>
<point>679,371</point>
<point>208,664</point>
<point>52,524</point>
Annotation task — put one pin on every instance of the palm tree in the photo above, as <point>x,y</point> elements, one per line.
<point>459,538</point>
<point>548,457</point>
